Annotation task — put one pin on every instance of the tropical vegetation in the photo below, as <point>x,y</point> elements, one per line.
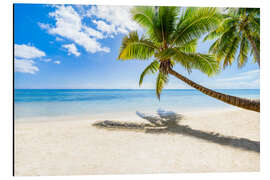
<point>170,37</point>
<point>237,37</point>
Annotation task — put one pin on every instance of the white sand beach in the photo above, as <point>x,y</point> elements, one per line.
<point>75,147</point>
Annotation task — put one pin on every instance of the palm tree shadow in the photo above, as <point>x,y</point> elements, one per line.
<point>168,122</point>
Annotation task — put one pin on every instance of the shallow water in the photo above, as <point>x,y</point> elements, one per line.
<point>73,102</point>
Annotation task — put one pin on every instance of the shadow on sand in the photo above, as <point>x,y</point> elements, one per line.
<point>168,122</point>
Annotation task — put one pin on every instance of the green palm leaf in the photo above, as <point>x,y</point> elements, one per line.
<point>146,17</point>
<point>237,35</point>
<point>134,47</point>
<point>195,23</point>
<point>162,79</point>
<point>189,47</point>
<point>231,51</point>
<point>243,54</point>
<point>167,21</point>
<point>170,35</point>
<point>151,68</point>
<point>203,62</point>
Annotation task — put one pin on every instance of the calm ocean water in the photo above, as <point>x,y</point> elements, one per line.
<point>72,102</point>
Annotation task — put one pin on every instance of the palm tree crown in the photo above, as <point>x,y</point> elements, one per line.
<point>237,37</point>
<point>170,37</point>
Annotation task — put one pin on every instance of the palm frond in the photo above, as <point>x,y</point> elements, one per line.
<point>134,47</point>
<point>146,17</point>
<point>162,79</point>
<point>225,26</point>
<point>151,68</point>
<point>212,35</point>
<point>203,62</point>
<point>243,52</point>
<point>231,51</point>
<point>195,23</point>
<point>189,47</point>
<point>167,20</point>
<point>233,35</point>
<point>222,45</point>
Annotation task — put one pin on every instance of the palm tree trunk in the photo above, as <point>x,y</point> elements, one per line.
<point>255,49</point>
<point>253,105</point>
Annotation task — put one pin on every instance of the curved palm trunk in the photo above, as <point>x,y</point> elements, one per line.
<point>253,105</point>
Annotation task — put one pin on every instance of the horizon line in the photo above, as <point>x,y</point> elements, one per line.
<point>119,88</point>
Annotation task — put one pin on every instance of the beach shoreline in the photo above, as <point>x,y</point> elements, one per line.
<point>69,146</point>
<point>120,115</point>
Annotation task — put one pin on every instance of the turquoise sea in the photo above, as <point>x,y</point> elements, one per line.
<point>73,102</point>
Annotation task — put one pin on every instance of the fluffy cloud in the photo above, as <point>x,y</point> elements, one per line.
<point>27,52</point>
<point>56,62</point>
<point>118,19</point>
<point>105,28</point>
<point>69,25</point>
<point>59,39</point>
<point>93,33</point>
<point>25,56</point>
<point>72,49</point>
<point>43,26</point>
<point>25,66</point>
<point>108,20</point>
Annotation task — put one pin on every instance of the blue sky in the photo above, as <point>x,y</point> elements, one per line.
<point>77,47</point>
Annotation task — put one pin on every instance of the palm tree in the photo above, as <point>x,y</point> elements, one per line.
<point>170,39</point>
<point>238,33</point>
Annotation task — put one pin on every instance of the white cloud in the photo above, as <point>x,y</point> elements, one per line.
<point>235,85</point>
<point>118,18</point>
<point>243,76</point>
<point>93,33</point>
<point>25,66</point>
<point>56,62</point>
<point>69,25</point>
<point>27,52</point>
<point>43,26</point>
<point>72,49</point>
<point>104,27</point>
<point>46,60</point>
<point>233,78</point>
<point>249,79</point>
<point>109,21</point>
<point>59,39</point>
<point>250,73</point>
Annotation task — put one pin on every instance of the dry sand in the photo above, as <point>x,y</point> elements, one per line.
<point>75,147</point>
